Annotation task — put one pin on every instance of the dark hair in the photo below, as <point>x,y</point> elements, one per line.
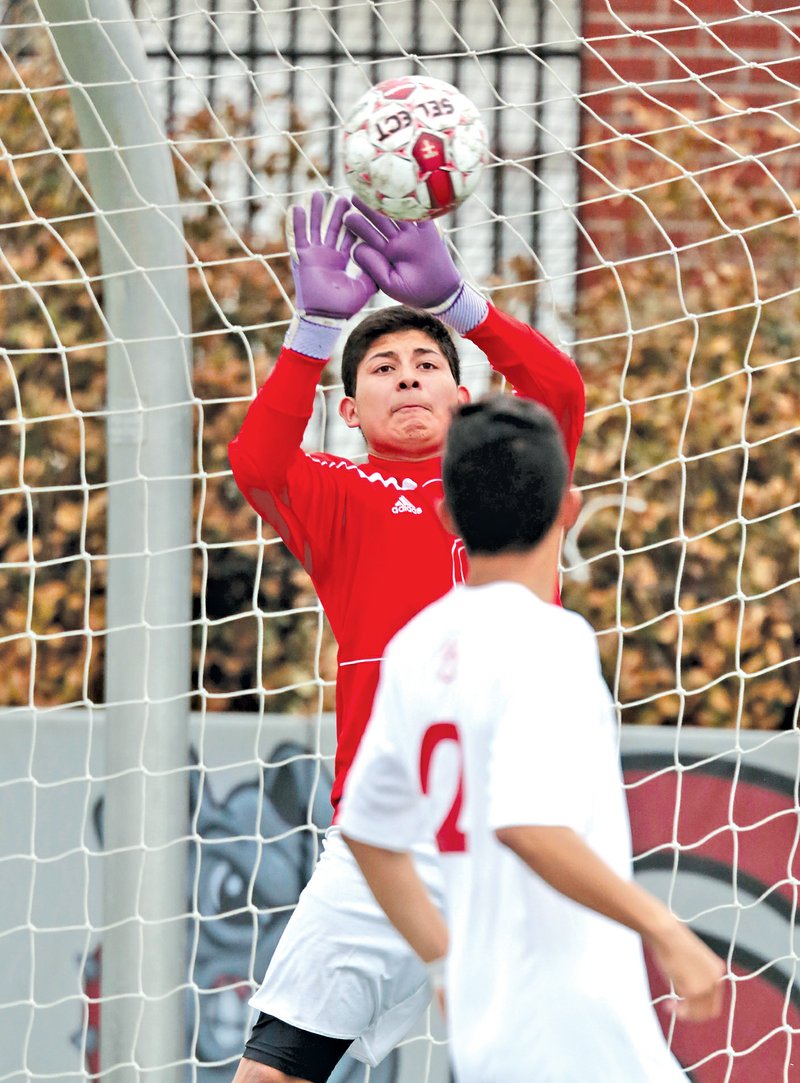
<point>387,321</point>
<point>505,470</point>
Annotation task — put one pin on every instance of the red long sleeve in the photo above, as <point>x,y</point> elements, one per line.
<point>536,369</point>
<point>297,494</point>
<point>270,436</point>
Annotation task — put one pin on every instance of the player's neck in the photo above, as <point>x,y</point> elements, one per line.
<point>536,569</point>
<point>400,455</point>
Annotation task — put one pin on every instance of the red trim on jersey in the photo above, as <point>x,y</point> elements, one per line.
<point>369,535</point>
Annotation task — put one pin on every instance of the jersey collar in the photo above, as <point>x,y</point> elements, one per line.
<point>420,472</point>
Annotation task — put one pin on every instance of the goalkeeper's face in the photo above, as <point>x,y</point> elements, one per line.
<point>404,398</point>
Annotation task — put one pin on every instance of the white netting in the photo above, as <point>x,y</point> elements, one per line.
<point>641,209</point>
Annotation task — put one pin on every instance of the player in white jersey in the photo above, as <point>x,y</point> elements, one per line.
<point>494,730</point>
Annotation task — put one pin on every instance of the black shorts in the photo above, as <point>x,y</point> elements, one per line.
<point>293,1051</point>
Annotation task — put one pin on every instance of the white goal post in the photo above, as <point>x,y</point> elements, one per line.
<point>169,673</point>
<point>134,200</point>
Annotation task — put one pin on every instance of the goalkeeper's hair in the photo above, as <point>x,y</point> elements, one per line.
<point>389,321</point>
<point>505,471</point>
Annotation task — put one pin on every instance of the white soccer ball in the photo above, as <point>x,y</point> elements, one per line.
<point>414,147</point>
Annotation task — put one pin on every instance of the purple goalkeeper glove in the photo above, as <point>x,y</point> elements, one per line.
<point>326,296</point>
<point>410,263</point>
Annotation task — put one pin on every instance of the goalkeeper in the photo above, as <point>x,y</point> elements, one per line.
<point>342,979</point>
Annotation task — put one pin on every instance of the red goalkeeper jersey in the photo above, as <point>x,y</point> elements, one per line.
<point>368,534</point>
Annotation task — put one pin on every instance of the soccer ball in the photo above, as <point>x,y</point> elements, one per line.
<point>414,147</point>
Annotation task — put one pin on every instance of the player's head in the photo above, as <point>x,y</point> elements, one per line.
<point>390,321</point>
<point>400,370</point>
<point>505,473</point>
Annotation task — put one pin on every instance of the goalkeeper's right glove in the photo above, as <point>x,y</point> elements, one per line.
<point>410,263</point>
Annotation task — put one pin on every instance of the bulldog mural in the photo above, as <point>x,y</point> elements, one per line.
<point>254,849</point>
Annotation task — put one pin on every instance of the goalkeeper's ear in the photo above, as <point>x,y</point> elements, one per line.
<point>571,505</point>
<point>445,518</point>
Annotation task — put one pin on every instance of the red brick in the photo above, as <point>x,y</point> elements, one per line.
<point>774,5</point>
<point>646,69</point>
<point>724,83</point>
<point>637,14</point>
<point>759,84</point>
<point>760,36</point>
<point>788,69</point>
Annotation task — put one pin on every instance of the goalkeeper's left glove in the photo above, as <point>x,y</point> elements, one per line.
<point>326,296</point>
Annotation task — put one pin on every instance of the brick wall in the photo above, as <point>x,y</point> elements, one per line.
<point>652,64</point>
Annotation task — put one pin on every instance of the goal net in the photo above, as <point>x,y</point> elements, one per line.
<point>639,208</point>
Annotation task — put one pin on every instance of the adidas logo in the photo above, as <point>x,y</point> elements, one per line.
<point>403,504</point>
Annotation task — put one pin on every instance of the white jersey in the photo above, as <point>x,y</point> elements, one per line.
<point>492,712</point>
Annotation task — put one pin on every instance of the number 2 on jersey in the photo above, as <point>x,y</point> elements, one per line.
<point>449,838</point>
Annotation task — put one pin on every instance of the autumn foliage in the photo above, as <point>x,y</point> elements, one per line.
<point>688,338</point>
<point>688,323</point>
<point>248,649</point>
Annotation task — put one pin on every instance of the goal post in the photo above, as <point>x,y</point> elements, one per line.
<point>136,211</point>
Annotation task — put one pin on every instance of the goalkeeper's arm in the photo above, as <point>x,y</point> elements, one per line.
<point>326,296</point>
<point>560,857</point>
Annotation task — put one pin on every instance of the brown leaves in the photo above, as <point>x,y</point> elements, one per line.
<point>52,402</point>
<point>696,404</point>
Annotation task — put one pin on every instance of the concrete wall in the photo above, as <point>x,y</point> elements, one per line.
<point>725,861</point>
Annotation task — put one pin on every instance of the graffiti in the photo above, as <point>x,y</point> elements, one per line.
<point>254,849</point>
<point>729,863</point>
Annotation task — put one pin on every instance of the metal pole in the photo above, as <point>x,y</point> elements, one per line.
<point>146,305</point>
